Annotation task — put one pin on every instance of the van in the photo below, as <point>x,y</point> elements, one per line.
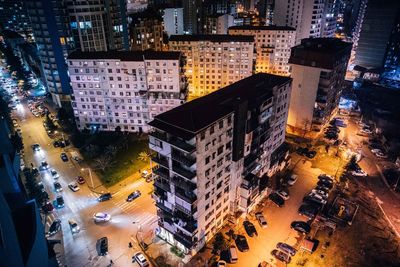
<point>233,258</point>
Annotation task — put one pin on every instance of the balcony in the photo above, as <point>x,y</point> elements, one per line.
<point>162,172</point>
<point>162,207</point>
<point>183,239</point>
<point>163,184</point>
<point>182,183</point>
<point>160,161</point>
<point>183,172</point>
<point>182,158</point>
<point>159,135</point>
<point>188,224</point>
<point>189,197</point>
<point>182,145</point>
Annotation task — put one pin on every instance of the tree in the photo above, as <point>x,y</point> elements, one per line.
<point>144,156</point>
<point>92,150</point>
<point>50,124</point>
<point>219,243</point>
<point>16,140</point>
<point>111,150</point>
<point>352,165</point>
<point>103,162</point>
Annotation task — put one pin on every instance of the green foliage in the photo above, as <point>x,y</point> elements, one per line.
<point>177,251</point>
<point>16,140</point>
<point>33,188</point>
<point>352,165</point>
<point>219,243</point>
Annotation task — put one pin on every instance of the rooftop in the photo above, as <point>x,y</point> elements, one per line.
<point>319,52</point>
<point>212,38</point>
<point>190,118</point>
<point>125,55</point>
<point>263,28</point>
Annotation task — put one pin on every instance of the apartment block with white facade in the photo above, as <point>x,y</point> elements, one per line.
<point>214,155</point>
<point>214,61</point>
<point>272,46</point>
<point>173,20</point>
<point>124,89</point>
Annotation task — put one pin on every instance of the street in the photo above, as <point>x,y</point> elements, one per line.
<point>127,217</point>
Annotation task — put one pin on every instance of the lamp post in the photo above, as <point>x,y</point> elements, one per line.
<point>90,175</point>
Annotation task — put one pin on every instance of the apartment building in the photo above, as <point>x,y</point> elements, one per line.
<point>217,24</point>
<point>272,46</point>
<point>146,31</point>
<point>318,70</point>
<point>214,61</point>
<point>214,155</point>
<point>306,16</point>
<point>124,89</point>
<point>173,20</point>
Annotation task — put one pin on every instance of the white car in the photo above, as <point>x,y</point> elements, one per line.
<point>292,179</point>
<point>101,217</point>
<point>381,155</point>
<point>359,173</point>
<point>318,198</point>
<point>261,220</point>
<point>74,186</point>
<point>376,150</point>
<point>140,259</point>
<point>221,263</point>
<point>320,192</point>
<point>366,131</point>
<point>283,193</point>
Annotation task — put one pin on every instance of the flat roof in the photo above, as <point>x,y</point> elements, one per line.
<point>126,55</point>
<point>263,28</point>
<point>190,118</point>
<point>212,38</point>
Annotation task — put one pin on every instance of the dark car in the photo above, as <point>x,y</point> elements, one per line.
<point>64,157</point>
<point>47,207</point>
<point>56,143</point>
<point>324,177</point>
<point>280,255</point>
<point>250,228</point>
<point>133,196</point>
<point>325,184</point>
<point>60,202</point>
<point>286,248</point>
<point>301,151</point>
<point>301,227</point>
<point>241,243</point>
<point>310,154</point>
<point>44,165</point>
<point>80,180</point>
<point>309,210</point>
<point>57,187</point>
<point>277,199</point>
<point>321,187</point>
<point>54,227</point>
<point>104,197</point>
<point>102,246</point>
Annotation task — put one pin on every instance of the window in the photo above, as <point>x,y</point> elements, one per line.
<point>208,195</point>
<point>202,135</point>
<point>207,159</point>
<point>221,124</point>
<point>211,129</point>
<point>220,150</point>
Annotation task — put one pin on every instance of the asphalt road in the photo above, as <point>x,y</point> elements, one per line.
<point>127,217</point>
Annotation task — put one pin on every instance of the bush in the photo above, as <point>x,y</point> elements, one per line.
<point>177,251</point>
<point>219,243</point>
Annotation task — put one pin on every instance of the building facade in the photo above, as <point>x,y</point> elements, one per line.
<point>318,70</point>
<point>146,31</point>
<point>303,15</point>
<point>272,46</point>
<point>218,24</point>
<point>100,25</point>
<point>14,17</point>
<point>329,17</point>
<point>213,161</point>
<point>50,25</point>
<point>214,61</point>
<point>124,89</point>
<point>173,21</point>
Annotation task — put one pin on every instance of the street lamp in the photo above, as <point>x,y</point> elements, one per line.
<point>90,175</point>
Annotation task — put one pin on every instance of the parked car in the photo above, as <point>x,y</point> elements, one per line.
<point>73,225</point>
<point>321,187</point>
<point>74,186</point>
<point>250,228</point>
<point>104,197</point>
<point>277,199</point>
<point>325,184</point>
<point>60,202</point>
<point>292,179</point>
<point>140,259</point>
<point>221,263</point>
<point>284,193</point>
<point>64,157</point>
<point>102,246</point>
<point>280,255</point>
<point>80,180</point>
<point>54,174</point>
<point>320,192</point>
<point>57,187</point>
<point>365,131</point>
<point>381,155</point>
<point>261,219</point>
<point>134,195</point>
<point>44,165</point>
<point>54,227</point>
<point>311,154</point>
<point>36,147</point>
<point>101,217</point>
<point>359,173</point>
<point>241,243</point>
<point>286,248</point>
<point>301,227</point>
<point>147,175</point>
<point>47,207</point>
<point>308,210</point>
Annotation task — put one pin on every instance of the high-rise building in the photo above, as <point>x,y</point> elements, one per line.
<point>304,15</point>
<point>134,6</point>
<point>217,24</point>
<point>392,58</point>
<point>99,25</point>
<point>173,21</point>
<point>124,89</point>
<point>328,23</point>
<point>192,14</point>
<point>214,61</point>
<point>51,28</point>
<point>14,17</point>
<point>147,31</point>
<point>272,46</point>
<point>214,161</point>
<point>318,70</point>
<point>379,19</point>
